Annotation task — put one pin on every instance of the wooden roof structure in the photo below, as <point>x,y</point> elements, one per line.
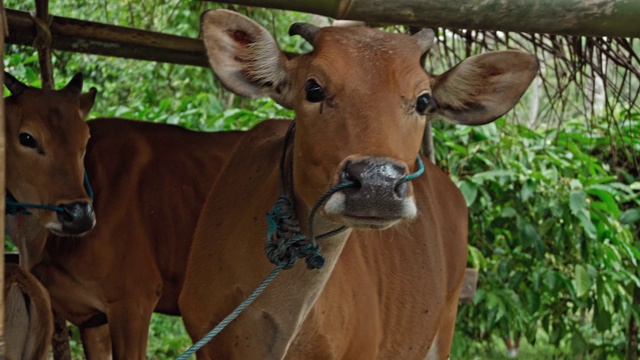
<point>612,18</point>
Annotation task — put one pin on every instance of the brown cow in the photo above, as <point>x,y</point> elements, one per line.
<point>28,324</point>
<point>46,141</point>
<point>149,183</point>
<point>389,286</point>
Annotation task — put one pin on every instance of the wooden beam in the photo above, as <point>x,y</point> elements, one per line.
<point>615,18</point>
<point>109,40</point>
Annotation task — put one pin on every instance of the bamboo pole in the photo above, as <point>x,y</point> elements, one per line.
<point>3,29</point>
<point>615,18</point>
<point>102,39</point>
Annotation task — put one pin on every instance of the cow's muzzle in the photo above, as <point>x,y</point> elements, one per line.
<point>379,197</point>
<point>76,218</point>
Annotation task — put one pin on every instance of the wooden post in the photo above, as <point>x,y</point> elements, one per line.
<point>427,143</point>
<point>3,29</point>
<point>42,43</point>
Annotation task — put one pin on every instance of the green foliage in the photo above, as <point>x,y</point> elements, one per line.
<point>553,216</point>
<point>167,338</point>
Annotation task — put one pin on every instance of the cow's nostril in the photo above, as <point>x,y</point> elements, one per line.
<point>346,177</point>
<point>76,218</point>
<point>401,190</point>
<point>66,215</point>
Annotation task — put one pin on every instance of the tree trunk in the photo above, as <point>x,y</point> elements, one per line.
<point>562,17</point>
<point>632,335</point>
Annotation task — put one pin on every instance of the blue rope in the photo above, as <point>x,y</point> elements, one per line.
<point>417,173</point>
<point>87,185</point>
<point>211,334</point>
<point>13,207</point>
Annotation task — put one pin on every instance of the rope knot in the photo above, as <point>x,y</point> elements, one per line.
<point>285,241</point>
<point>43,37</point>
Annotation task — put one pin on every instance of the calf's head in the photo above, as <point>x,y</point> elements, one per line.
<point>362,100</point>
<point>46,137</point>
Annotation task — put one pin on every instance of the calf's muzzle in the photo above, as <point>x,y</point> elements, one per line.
<point>76,218</point>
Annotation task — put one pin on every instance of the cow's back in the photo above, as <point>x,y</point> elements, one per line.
<point>150,181</point>
<point>406,277</point>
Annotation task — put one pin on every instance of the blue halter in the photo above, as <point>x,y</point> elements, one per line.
<point>14,207</point>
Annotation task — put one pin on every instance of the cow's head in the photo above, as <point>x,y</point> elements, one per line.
<point>46,141</point>
<point>362,100</point>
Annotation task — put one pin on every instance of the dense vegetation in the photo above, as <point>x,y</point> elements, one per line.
<point>554,211</point>
<point>554,231</point>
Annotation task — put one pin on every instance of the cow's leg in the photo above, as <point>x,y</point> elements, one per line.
<point>129,327</point>
<point>96,342</point>
<point>192,319</point>
<point>60,340</point>
<point>441,346</point>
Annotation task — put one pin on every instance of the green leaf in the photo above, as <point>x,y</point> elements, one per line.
<point>578,344</point>
<point>476,258</point>
<point>608,198</point>
<point>577,201</point>
<point>630,216</point>
<point>528,189</point>
<point>602,320</point>
<point>492,174</point>
<point>586,223</point>
<point>469,191</point>
<point>528,233</point>
<point>582,280</point>
<point>508,212</point>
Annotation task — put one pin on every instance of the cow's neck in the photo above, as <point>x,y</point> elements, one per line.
<point>303,286</point>
<point>299,287</point>
<point>29,236</point>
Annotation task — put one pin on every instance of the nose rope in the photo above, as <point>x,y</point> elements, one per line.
<point>415,174</point>
<point>285,240</point>
<point>343,186</point>
<point>14,207</point>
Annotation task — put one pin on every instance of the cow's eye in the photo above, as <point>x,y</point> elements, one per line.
<point>422,103</point>
<point>315,92</point>
<point>27,140</point>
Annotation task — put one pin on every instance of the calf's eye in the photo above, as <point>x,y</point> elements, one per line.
<point>27,140</point>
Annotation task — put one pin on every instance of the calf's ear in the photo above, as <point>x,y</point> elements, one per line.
<point>15,86</point>
<point>86,102</point>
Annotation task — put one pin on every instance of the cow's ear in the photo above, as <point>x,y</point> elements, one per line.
<point>15,86</point>
<point>86,102</point>
<point>75,84</point>
<point>483,87</point>
<point>244,55</point>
